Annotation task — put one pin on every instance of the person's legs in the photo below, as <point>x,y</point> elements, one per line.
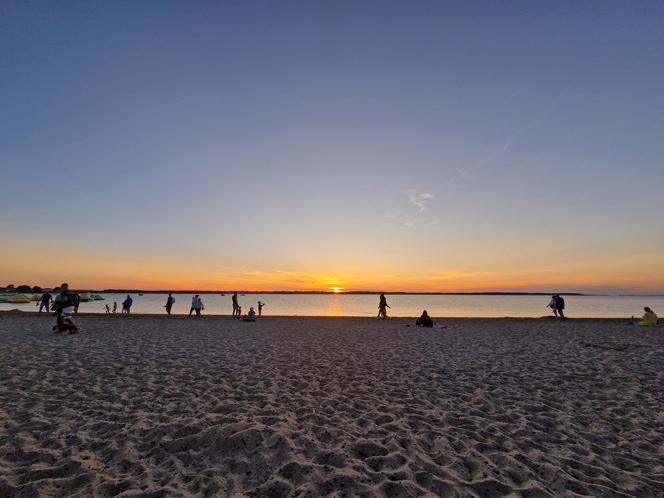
<point>191,311</point>
<point>561,314</point>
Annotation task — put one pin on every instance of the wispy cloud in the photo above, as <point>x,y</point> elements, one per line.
<point>466,172</point>
<point>419,199</point>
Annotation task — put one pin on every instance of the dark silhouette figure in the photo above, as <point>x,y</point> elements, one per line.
<point>382,307</point>
<point>169,303</point>
<point>194,305</point>
<point>424,320</point>
<point>560,306</point>
<point>126,304</point>
<point>237,310</point>
<point>45,301</point>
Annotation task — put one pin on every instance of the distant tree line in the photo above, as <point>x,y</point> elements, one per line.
<point>21,289</point>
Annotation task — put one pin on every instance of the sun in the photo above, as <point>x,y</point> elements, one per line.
<point>336,290</point>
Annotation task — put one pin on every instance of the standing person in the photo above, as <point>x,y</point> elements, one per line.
<point>552,305</point>
<point>382,307</point>
<point>199,306</point>
<point>108,308</point>
<point>115,306</point>
<point>260,308</point>
<point>236,306</point>
<point>194,304</point>
<point>169,303</point>
<point>560,306</point>
<point>65,304</point>
<point>126,304</point>
<point>45,301</point>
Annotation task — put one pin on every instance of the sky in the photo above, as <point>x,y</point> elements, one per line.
<point>311,145</point>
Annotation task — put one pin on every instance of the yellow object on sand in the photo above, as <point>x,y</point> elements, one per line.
<point>19,298</point>
<point>649,319</point>
<point>35,297</point>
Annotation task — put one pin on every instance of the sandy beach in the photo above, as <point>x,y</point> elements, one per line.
<point>170,406</point>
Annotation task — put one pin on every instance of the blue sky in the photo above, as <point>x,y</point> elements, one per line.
<point>377,144</point>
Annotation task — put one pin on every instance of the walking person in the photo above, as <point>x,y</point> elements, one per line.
<point>560,306</point>
<point>236,307</point>
<point>45,301</point>
<point>382,307</point>
<point>169,303</point>
<point>194,304</point>
<point>126,304</point>
<point>260,308</point>
<point>115,306</point>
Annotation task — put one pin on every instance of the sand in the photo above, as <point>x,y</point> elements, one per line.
<point>170,406</point>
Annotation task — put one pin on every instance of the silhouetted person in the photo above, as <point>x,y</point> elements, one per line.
<point>45,301</point>
<point>194,304</point>
<point>169,303</point>
<point>382,307</point>
<point>251,316</point>
<point>560,306</point>
<point>115,306</point>
<point>236,307</point>
<point>108,308</point>
<point>126,304</point>
<point>424,320</point>
<point>65,305</point>
<point>260,308</point>
<point>199,306</point>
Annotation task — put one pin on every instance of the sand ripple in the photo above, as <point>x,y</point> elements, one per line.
<point>156,407</point>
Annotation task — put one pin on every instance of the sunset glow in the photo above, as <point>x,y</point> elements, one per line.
<point>236,147</point>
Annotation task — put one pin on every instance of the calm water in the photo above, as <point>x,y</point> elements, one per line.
<point>367,305</point>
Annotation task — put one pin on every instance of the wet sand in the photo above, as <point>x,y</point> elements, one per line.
<point>171,406</point>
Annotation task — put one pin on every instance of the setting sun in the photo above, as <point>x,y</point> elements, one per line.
<point>336,290</point>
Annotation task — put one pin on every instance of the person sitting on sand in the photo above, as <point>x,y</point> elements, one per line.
<point>382,307</point>
<point>552,305</point>
<point>126,304</point>
<point>424,320</point>
<point>649,318</point>
<point>251,316</point>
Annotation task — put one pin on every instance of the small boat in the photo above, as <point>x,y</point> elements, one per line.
<point>85,297</point>
<point>97,297</point>
<point>140,293</point>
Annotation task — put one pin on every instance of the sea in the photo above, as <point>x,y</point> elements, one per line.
<point>366,305</point>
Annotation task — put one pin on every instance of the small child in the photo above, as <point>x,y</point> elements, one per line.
<point>115,307</point>
<point>108,308</point>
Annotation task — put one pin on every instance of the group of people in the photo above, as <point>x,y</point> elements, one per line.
<point>65,305</point>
